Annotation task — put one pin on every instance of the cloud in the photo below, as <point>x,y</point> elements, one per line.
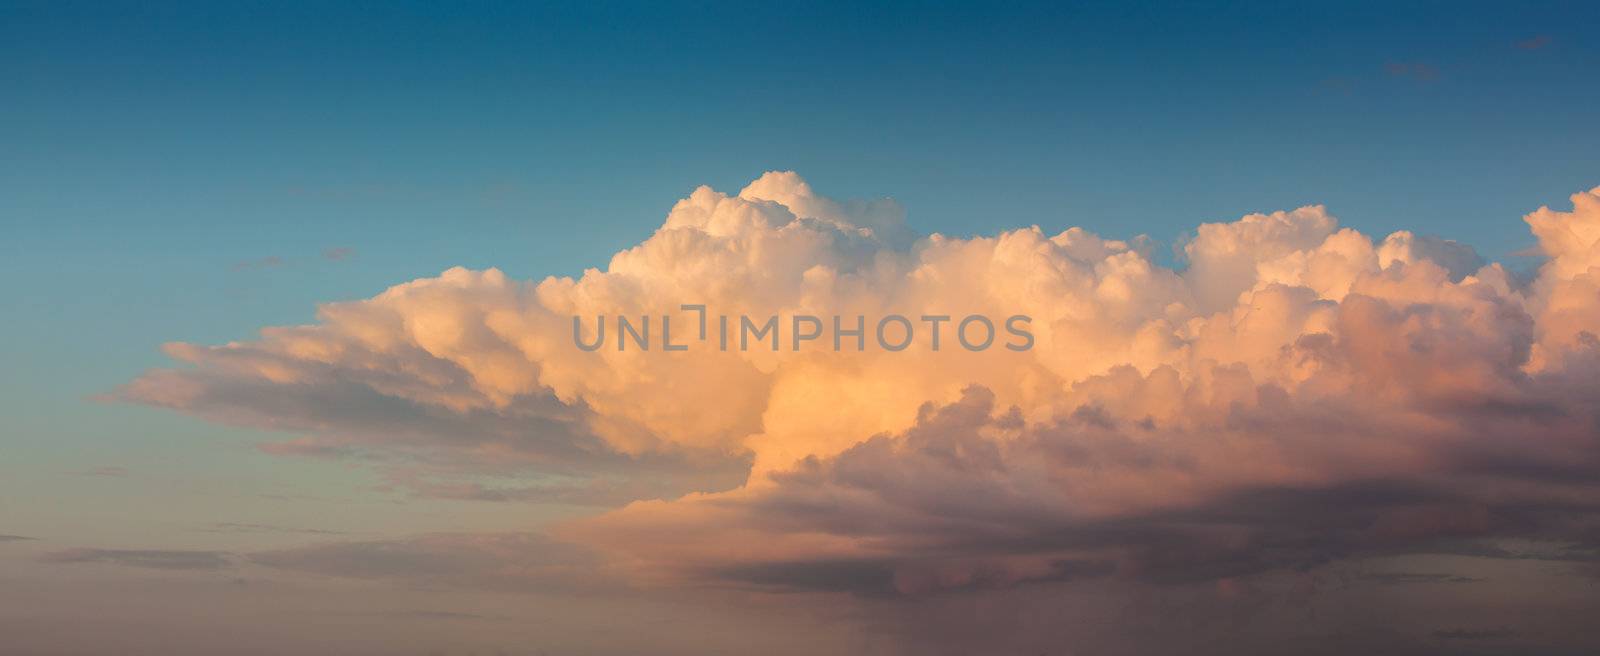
<point>1416,578</point>
<point>1535,42</point>
<point>331,254</point>
<point>439,615</point>
<point>971,496</point>
<point>1417,71</point>
<point>110,471</point>
<point>515,562</point>
<point>14,538</point>
<point>1474,634</point>
<point>143,558</point>
<point>352,411</point>
<point>1298,393</point>
<point>1338,85</point>
<point>268,262</point>
<point>238,527</point>
<point>1313,395</point>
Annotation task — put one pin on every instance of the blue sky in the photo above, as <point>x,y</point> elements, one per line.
<point>157,158</point>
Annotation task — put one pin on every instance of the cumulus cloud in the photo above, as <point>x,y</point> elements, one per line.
<point>1297,392</point>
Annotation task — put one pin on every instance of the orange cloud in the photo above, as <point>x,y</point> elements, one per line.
<point>1297,383</point>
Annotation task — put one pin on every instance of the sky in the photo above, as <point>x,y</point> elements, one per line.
<point>192,173</point>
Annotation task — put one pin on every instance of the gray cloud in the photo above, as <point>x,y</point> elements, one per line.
<point>514,561</point>
<point>438,452</point>
<point>241,527</point>
<point>1474,634</point>
<point>110,471</point>
<point>1419,578</point>
<point>439,615</point>
<point>958,508</point>
<point>143,558</point>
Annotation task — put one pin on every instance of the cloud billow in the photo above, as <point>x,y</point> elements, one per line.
<point>1297,393</point>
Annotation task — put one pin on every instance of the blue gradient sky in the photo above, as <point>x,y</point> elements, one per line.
<point>150,155</point>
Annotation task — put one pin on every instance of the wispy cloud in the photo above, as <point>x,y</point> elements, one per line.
<point>143,558</point>
<point>109,471</point>
<point>426,615</point>
<point>1416,578</point>
<point>268,262</point>
<point>511,561</point>
<point>1417,71</point>
<point>1535,43</point>
<point>1474,634</point>
<point>239,527</point>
